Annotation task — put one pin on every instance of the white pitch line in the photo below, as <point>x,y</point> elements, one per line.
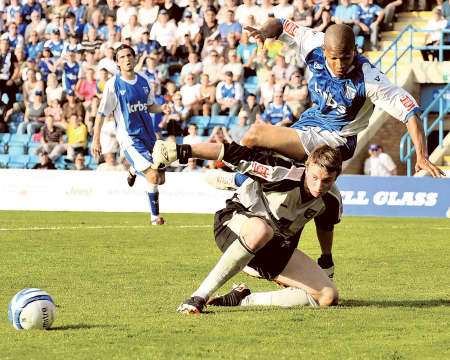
<point>94,227</point>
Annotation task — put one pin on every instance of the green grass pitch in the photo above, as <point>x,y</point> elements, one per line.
<point>117,283</point>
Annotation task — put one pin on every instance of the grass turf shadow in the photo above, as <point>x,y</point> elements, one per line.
<point>80,327</point>
<point>395,303</point>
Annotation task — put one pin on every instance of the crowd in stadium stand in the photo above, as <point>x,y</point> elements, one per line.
<point>56,55</point>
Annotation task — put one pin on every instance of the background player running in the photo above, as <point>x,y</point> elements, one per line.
<point>129,98</point>
<point>344,87</point>
<point>261,224</point>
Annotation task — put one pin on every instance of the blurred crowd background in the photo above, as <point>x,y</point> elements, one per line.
<point>56,55</point>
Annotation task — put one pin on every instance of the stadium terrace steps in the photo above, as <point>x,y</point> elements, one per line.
<point>418,24</point>
<point>415,15</point>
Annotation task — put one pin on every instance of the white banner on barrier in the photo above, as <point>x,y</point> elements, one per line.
<point>56,190</point>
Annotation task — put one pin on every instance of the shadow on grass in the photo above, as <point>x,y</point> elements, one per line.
<point>80,327</point>
<point>395,303</point>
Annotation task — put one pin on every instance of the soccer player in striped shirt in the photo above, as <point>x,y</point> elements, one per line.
<point>259,229</point>
<point>129,98</point>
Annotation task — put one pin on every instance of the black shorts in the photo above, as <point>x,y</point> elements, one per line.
<point>269,261</point>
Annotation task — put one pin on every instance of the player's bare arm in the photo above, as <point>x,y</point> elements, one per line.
<point>96,146</point>
<point>415,129</point>
<point>272,28</point>
<point>164,108</point>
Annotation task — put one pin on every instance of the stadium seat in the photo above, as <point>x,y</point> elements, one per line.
<point>18,161</point>
<point>4,160</point>
<point>218,120</point>
<point>234,120</point>
<point>16,149</point>
<point>32,160</point>
<point>32,147</point>
<point>4,139</point>
<point>200,121</point>
<point>61,163</point>
<point>19,140</point>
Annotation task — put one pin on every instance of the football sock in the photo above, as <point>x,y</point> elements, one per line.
<point>153,198</point>
<point>239,179</point>
<point>232,261</point>
<point>287,297</point>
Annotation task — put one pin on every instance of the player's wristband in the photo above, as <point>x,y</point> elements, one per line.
<point>184,152</point>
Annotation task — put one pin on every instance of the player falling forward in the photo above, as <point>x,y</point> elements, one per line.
<point>259,229</point>
<point>344,87</point>
<point>129,98</point>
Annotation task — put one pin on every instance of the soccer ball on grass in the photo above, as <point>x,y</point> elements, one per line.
<point>31,309</point>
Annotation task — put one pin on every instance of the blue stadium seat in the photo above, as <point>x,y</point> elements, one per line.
<point>32,147</point>
<point>16,149</point>
<point>18,161</point>
<point>21,139</point>
<point>60,163</point>
<point>18,141</point>
<point>4,160</point>
<point>200,121</point>
<point>14,121</point>
<point>218,120</point>
<point>234,120</point>
<point>32,160</point>
<point>4,139</point>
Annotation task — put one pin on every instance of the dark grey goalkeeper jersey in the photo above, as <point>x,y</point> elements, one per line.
<point>275,191</point>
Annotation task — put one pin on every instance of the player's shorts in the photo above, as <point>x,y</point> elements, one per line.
<point>269,261</point>
<point>312,137</point>
<point>139,156</point>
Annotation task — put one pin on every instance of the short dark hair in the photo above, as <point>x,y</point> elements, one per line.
<point>122,47</point>
<point>327,158</point>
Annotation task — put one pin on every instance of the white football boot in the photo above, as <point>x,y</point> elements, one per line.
<point>164,153</point>
<point>220,179</point>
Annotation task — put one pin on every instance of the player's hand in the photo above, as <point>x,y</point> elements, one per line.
<point>258,35</point>
<point>96,148</point>
<point>423,163</point>
<point>165,109</point>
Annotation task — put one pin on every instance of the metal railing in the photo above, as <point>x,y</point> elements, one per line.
<point>406,147</point>
<point>400,51</point>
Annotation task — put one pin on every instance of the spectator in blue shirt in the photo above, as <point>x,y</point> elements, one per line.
<point>230,25</point>
<point>346,13</point>
<point>278,112</point>
<point>55,44</point>
<point>368,22</point>
<point>29,7</point>
<point>34,47</point>
<point>247,53</point>
<point>71,27</point>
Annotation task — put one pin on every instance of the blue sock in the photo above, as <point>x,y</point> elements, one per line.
<point>153,198</point>
<point>239,179</point>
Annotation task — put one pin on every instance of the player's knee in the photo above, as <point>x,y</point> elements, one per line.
<point>329,296</point>
<point>152,177</point>
<point>251,137</point>
<point>256,234</point>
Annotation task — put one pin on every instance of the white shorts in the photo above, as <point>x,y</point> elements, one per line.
<point>311,137</point>
<point>139,160</point>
